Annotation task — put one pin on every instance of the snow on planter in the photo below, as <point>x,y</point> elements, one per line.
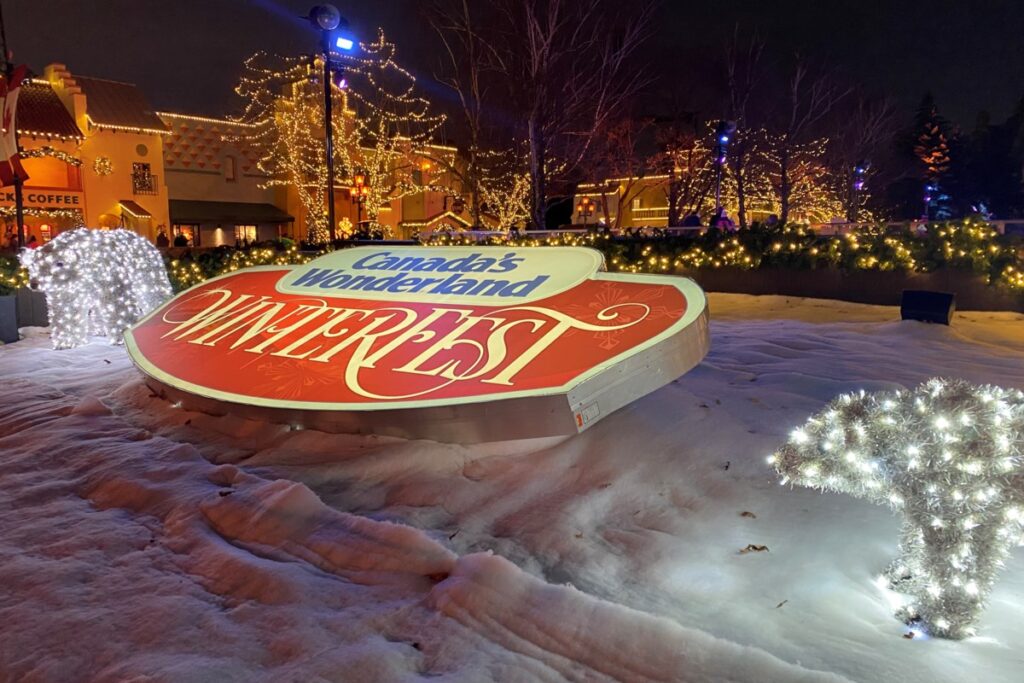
<point>458,344</point>
<point>97,282</point>
<point>948,454</point>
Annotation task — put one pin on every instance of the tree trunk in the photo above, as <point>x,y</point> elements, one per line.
<point>741,190</point>
<point>538,153</point>
<point>473,172</point>
<point>784,188</point>
<point>673,198</point>
<point>605,211</point>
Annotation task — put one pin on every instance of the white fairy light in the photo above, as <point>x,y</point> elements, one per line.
<point>949,468</point>
<point>97,282</point>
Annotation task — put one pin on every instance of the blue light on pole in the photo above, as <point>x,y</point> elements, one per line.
<point>723,132</point>
<point>860,170</point>
<point>328,19</point>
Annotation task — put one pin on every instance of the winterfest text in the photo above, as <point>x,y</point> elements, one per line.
<point>450,344</point>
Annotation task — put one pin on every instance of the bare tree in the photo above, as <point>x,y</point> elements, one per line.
<point>621,167</point>
<point>686,159</point>
<point>569,68</point>
<point>469,60</point>
<point>742,68</point>
<point>866,127</point>
<point>809,98</point>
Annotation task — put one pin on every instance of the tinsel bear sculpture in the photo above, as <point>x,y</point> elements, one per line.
<point>97,282</point>
<point>948,454</point>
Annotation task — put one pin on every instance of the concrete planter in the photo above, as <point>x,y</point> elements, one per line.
<point>8,319</point>
<point>32,311</point>
<point>862,286</point>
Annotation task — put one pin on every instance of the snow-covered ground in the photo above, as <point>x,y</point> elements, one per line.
<point>142,542</point>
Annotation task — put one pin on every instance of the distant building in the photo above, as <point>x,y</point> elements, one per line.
<point>217,193</point>
<point>643,202</point>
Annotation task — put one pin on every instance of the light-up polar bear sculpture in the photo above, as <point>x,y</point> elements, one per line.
<point>97,282</point>
<point>949,455</point>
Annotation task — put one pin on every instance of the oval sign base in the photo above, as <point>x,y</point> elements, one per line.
<point>456,344</point>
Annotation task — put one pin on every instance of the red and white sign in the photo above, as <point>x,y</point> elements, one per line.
<point>443,340</point>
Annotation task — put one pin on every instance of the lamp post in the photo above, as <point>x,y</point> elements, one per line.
<point>931,190</point>
<point>19,203</point>
<point>585,208</point>
<point>857,184</point>
<point>723,134</point>
<point>358,193</point>
<point>329,20</point>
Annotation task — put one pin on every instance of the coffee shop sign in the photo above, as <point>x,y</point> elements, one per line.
<point>45,200</point>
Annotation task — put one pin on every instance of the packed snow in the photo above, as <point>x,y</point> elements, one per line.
<point>139,541</point>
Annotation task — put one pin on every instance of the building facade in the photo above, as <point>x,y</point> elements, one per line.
<point>218,195</point>
<point>622,203</point>
<point>94,155</point>
<point>98,155</point>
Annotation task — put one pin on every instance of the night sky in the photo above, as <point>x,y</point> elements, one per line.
<point>187,53</point>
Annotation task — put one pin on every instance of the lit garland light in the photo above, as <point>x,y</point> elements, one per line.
<point>948,455</point>
<point>72,216</point>
<point>969,244</point>
<point>49,151</point>
<point>97,282</point>
<point>656,251</point>
<point>187,272</point>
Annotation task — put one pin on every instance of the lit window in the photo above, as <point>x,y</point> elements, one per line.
<point>636,204</point>
<point>188,232</point>
<point>245,234</point>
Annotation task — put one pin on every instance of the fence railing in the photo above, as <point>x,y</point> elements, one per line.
<point>145,184</point>
<point>1003,227</point>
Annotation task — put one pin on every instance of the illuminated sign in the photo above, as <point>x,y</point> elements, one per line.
<point>452,343</point>
<point>46,199</point>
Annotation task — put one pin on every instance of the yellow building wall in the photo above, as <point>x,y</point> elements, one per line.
<point>103,193</point>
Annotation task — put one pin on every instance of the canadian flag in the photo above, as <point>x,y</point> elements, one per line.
<point>10,159</point>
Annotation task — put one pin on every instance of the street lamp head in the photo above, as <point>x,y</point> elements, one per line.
<point>325,17</point>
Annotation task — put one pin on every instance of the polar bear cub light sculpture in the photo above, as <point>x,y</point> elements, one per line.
<point>97,282</point>
<point>948,454</point>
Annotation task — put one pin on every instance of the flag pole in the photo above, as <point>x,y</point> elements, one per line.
<point>19,203</point>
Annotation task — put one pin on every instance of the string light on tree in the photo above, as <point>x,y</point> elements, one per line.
<point>380,126</point>
<point>948,456</point>
<point>393,127</point>
<point>283,123</point>
<point>505,187</point>
<point>97,282</point>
